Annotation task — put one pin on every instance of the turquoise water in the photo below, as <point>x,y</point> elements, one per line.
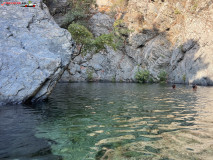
<point>113,121</point>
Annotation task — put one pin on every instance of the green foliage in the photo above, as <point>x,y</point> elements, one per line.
<point>177,11</point>
<point>121,81</point>
<point>151,80</point>
<point>89,75</point>
<point>102,40</point>
<point>73,16</point>
<point>184,78</point>
<point>86,40</point>
<point>76,20</point>
<point>162,76</point>
<point>80,33</point>
<point>118,23</point>
<point>120,29</point>
<point>142,76</point>
<point>114,79</point>
<point>120,32</point>
<point>80,11</point>
<point>194,5</point>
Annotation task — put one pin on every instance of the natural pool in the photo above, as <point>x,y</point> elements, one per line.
<point>112,121</point>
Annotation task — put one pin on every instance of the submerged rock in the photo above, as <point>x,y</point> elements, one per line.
<point>34,52</point>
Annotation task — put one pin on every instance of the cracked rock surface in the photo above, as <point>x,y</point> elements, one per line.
<point>174,36</point>
<point>34,52</point>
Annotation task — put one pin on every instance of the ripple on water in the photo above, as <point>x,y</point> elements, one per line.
<point>127,121</point>
<point>142,125</point>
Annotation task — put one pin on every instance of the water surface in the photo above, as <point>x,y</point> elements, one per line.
<point>116,121</point>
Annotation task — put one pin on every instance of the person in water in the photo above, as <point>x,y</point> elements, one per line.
<point>173,86</point>
<point>194,86</point>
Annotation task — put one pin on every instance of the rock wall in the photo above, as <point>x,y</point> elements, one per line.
<point>34,52</point>
<point>175,36</point>
<point>58,9</point>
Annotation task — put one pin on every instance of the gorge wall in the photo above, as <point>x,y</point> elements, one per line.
<point>174,36</point>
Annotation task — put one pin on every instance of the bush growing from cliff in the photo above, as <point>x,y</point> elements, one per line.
<point>120,32</point>
<point>120,29</point>
<point>80,11</point>
<point>89,75</point>
<point>71,16</point>
<point>184,78</point>
<point>87,42</point>
<point>114,79</point>
<point>176,11</point>
<point>162,76</point>
<point>76,22</point>
<point>102,40</point>
<point>194,5</point>
<point>82,36</point>
<point>142,76</point>
<point>80,33</point>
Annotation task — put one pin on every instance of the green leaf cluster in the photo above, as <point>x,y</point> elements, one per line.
<point>88,42</point>
<point>73,16</point>
<point>89,75</point>
<point>102,40</point>
<point>120,32</point>
<point>142,76</point>
<point>118,23</point>
<point>162,76</point>
<point>120,29</point>
<point>80,11</point>
<point>80,33</point>
<point>184,78</point>
<point>176,11</point>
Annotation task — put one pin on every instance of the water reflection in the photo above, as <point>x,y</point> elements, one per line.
<point>17,135</point>
<point>127,121</point>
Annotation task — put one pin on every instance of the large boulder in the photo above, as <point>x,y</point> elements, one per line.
<point>34,52</point>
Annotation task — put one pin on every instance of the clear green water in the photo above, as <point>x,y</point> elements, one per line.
<point>116,121</point>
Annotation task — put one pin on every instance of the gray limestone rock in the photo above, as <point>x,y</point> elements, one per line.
<point>174,36</point>
<point>101,24</point>
<point>34,52</point>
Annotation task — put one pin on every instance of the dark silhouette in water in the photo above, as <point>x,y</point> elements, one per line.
<point>173,86</point>
<point>194,86</point>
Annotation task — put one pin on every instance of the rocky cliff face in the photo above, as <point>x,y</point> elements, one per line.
<point>175,36</point>
<point>34,52</point>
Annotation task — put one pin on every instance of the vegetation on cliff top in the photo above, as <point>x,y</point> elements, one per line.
<point>76,22</point>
